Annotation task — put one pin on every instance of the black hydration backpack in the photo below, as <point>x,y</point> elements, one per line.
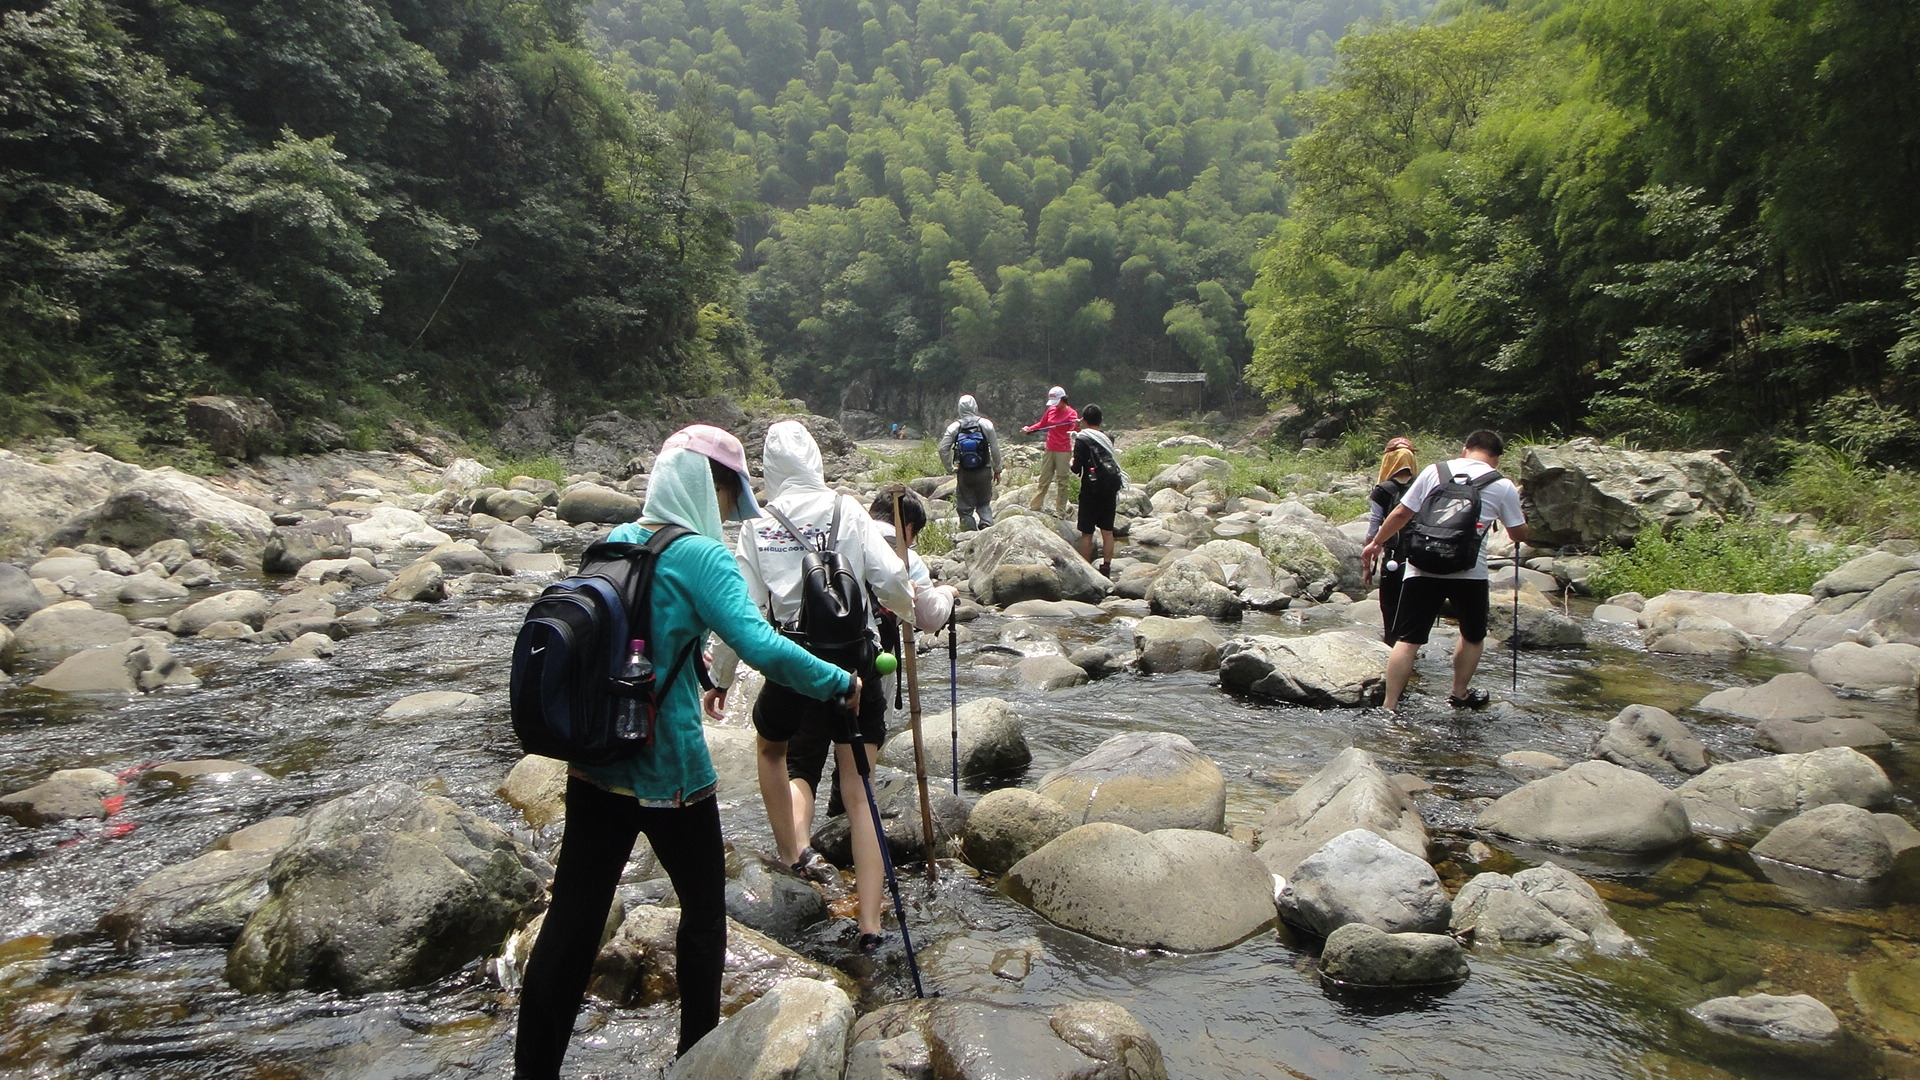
<point>970,445</point>
<point>1445,534</point>
<point>832,621</point>
<point>568,658</point>
<point>1387,495</point>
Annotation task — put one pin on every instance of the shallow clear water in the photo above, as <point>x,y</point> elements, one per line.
<point>70,1006</point>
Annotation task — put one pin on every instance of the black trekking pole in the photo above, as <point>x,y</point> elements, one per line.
<point>1513,642</point>
<point>865,770</point>
<point>953,687</point>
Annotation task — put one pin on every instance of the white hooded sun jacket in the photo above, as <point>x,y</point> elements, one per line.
<point>769,556</point>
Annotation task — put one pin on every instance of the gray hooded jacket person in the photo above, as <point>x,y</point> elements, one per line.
<point>973,488</point>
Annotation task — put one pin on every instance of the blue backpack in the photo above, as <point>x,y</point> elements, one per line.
<point>970,445</point>
<point>569,657</point>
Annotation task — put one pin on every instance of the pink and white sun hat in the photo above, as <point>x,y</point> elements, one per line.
<point>1055,394</point>
<point>720,445</point>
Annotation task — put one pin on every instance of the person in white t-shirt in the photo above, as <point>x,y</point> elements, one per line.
<point>1422,593</point>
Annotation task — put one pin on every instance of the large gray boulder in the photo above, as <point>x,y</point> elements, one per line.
<point>1805,736</point>
<point>1335,669</point>
<point>458,557</point>
<point>770,896</point>
<point>168,504</point>
<point>1873,598</point>
<point>238,605</point>
<point>136,665</point>
<point>1650,739</point>
<point>505,540</point>
<point>992,741</point>
<point>422,581</point>
<point>1535,623</point>
<point>1164,645</point>
<point>294,546</point>
<point>1193,585</point>
<point>1318,554</point>
<point>636,963</point>
<point>1010,824</point>
<point>1363,956</point>
<point>235,427</point>
<point>57,632</point>
<point>1886,672</point>
<point>1594,806</point>
<point>1189,471</point>
<point>1841,839</point>
<point>1360,877</point>
<point>1541,906</point>
<point>595,503</point>
<point>389,528</point>
<point>1351,792</point>
<point>19,597</point>
<point>1757,615</point>
<point>203,901</point>
<point>1796,1018</point>
<point>1795,695</point>
<point>798,1031</point>
<point>1022,558</point>
<point>67,795</point>
<point>1176,889</point>
<point>512,504</point>
<point>978,1040</point>
<point>1740,799</point>
<point>42,494</point>
<point>385,888</point>
<point>1584,493</point>
<point>1145,780</point>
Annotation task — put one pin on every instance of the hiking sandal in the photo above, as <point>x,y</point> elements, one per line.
<point>1473,699</point>
<point>812,866</point>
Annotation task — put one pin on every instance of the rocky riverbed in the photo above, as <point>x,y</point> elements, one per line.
<point>264,814</point>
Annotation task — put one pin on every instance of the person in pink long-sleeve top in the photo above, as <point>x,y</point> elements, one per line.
<point>1059,422</point>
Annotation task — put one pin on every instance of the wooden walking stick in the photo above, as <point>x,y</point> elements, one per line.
<point>912,660</point>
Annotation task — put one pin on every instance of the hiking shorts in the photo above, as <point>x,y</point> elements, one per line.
<point>810,728</point>
<point>1420,600</point>
<point>1097,508</point>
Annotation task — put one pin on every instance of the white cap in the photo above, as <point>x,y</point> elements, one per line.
<point>1054,395</point>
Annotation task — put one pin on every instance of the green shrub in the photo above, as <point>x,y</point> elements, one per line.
<point>1869,502</point>
<point>1733,556</point>
<point>919,461</point>
<point>544,467</point>
<point>936,539</point>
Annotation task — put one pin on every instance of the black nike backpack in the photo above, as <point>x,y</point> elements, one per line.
<point>1445,534</point>
<point>566,682</point>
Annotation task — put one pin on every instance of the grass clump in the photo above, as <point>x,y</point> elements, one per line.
<point>916,462</point>
<point>1716,556</point>
<point>1863,501</point>
<point>544,467</point>
<point>935,540</point>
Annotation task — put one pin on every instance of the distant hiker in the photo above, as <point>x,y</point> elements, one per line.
<point>1448,512</point>
<point>894,431</point>
<point>666,792</point>
<point>1397,467</point>
<point>1097,464</point>
<point>1056,460</point>
<point>970,450</point>
<point>794,731</point>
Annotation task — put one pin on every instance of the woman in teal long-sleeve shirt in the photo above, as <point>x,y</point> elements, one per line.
<point>666,792</point>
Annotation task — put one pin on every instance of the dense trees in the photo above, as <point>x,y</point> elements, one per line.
<point>1681,220</point>
<point>1063,189</point>
<point>340,205</point>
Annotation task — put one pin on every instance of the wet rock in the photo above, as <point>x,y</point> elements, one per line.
<point>304,647</point>
<point>1530,764</point>
<point>636,965</point>
<point>301,613</point>
<point>1336,669</point>
<point>1871,599</point>
<point>504,540</point>
<point>1595,805</point>
<point>1696,635</point>
<point>353,571</point>
<point>903,1057</point>
<point>1796,1019</point>
<point>974,1040</point>
<point>1614,613</point>
<point>1364,956</point>
<point>361,620</point>
<point>146,587</point>
<point>1757,615</point>
<point>1178,889</point>
<point>1008,825</point>
<point>1792,696</point>
<point>57,632</point>
<point>992,741</point>
<point>226,630</point>
<point>512,505</point>
<point>549,564</point>
<point>461,557</point>
<point>18,597</point>
<point>1165,645</point>
<point>1583,493</point>
<point>1193,585</point>
<point>239,605</point>
<point>206,771</point>
<point>1541,906</point>
<point>1047,673</point>
<point>798,1031</point>
<point>1651,739</point>
<point>1350,792</point>
<point>1539,626</point>
<point>1740,798</point>
<point>432,704</point>
<point>387,888</point>
<point>1022,558</point>
<point>1143,780</point>
<point>420,582</point>
<point>60,567</point>
<point>204,901</point>
<point>594,503</point>
<point>195,574</point>
<point>389,528</point>
<point>67,795</point>
<point>769,897</point>
<point>1806,736</point>
<point>270,835</point>
<point>899,799</point>
<point>165,504</point>
<point>1886,672</point>
<point>136,665</point>
<point>537,787</point>
<point>294,546</point>
<point>1359,876</point>
<point>1841,839</point>
<point>1053,609</point>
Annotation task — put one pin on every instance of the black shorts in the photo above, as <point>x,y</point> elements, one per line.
<point>810,728</point>
<point>1096,508</point>
<point>1420,600</point>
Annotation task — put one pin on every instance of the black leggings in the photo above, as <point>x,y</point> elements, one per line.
<point>600,832</point>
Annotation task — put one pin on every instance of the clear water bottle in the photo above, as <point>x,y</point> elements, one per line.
<point>633,715</point>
